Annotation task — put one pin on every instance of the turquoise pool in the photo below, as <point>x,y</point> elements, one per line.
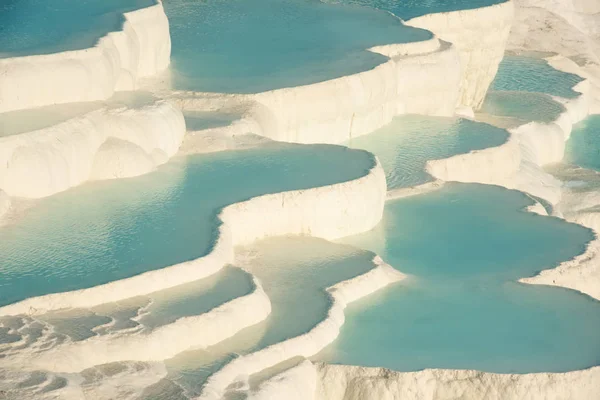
<point>110,230</point>
<point>583,147</point>
<point>407,9</point>
<point>30,27</point>
<point>406,144</point>
<point>239,46</point>
<point>464,246</point>
<point>522,106</point>
<point>530,74</point>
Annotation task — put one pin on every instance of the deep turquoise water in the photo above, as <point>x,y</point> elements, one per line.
<point>405,145</point>
<point>407,9</point>
<point>583,147</point>
<point>245,46</point>
<point>529,74</point>
<point>48,26</point>
<point>464,246</point>
<point>524,106</point>
<point>110,230</point>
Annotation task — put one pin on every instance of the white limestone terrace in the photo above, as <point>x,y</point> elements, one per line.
<point>114,141</point>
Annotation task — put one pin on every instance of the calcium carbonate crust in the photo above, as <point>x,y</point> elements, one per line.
<point>140,49</point>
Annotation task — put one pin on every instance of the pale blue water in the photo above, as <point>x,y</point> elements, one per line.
<point>200,120</point>
<point>110,230</point>
<point>47,26</point>
<point>523,106</point>
<point>464,246</point>
<point>294,271</point>
<point>583,147</point>
<point>407,9</point>
<point>408,142</point>
<point>243,46</point>
<point>529,74</point>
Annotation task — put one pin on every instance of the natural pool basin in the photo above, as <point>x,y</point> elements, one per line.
<point>464,247</point>
<point>239,46</point>
<point>522,106</point>
<point>406,144</point>
<point>530,74</point>
<point>104,231</point>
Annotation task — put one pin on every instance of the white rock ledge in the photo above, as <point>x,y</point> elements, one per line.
<point>106,143</point>
<point>141,48</point>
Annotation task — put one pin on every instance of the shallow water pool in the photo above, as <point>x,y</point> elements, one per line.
<point>103,231</point>
<point>406,144</point>
<point>464,246</point>
<point>530,74</point>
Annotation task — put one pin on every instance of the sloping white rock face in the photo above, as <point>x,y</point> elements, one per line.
<point>142,48</point>
<point>43,162</point>
<point>337,382</point>
<point>480,35</point>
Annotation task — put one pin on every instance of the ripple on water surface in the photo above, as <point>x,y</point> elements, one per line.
<point>407,9</point>
<point>530,74</point>
<point>240,46</point>
<point>104,231</point>
<point>464,246</point>
<point>583,146</point>
<point>406,144</point>
<point>48,26</point>
<point>522,106</point>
